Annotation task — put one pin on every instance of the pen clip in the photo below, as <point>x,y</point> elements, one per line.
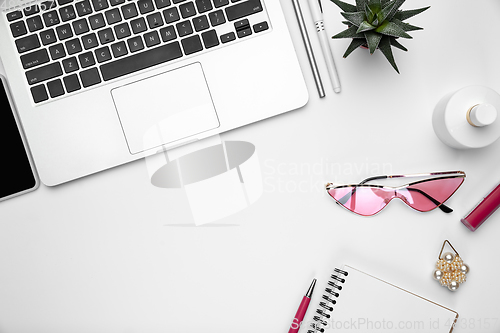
<point>320,6</point>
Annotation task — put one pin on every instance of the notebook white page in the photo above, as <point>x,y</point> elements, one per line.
<point>368,304</point>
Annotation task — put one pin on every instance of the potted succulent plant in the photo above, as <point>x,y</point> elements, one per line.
<point>376,24</point>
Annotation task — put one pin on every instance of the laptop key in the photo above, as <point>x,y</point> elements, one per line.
<point>27,43</point>
<point>226,38</point>
<point>51,18</point>
<point>90,41</point>
<point>167,34</point>
<point>80,27</point>
<point>259,27</point>
<point>145,6</point>
<point>97,21</point>
<point>240,25</point>
<point>55,88</point>
<point>243,9</point>
<point>192,44</point>
<point>39,93</point>
<point>70,65</point>
<point>83,8</point>
<point>217,18</point>
<point>100,5</point>
<point>140,61</point>
<point>67,13</point>
<point>210,39</point>
<point>135,44</point>
<point>119,49</point>
<point>138,25</point>
<point>106,36</point>
<point>16,15</point>
<point>18,29</point>
<point>129,11</point>
<point>57,51</point>
<point>34,23</point>
<point>103,54</point>
<point>201,23</point>
<point>116,2</point>
<point>122,31</point>
<point>203,5</point>
<point>90,77</point>
<point>220,3</point>
<point>154,20</point>
<point>113,16</point>
<point>171,15</point>
<point>244,32</point>
<point>35,58</point>
<point>44,73</point>
<point>187,10</point>
<point>160,4</point>
<point>72,83</point>
<point>152,39</point>
<point>48,37</point>
<point>184,28</point>
<point>73,46</point>
<point>64,31</point>
<point>86,59</point>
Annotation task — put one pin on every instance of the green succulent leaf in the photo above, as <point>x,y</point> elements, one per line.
<point>392,29</point>
<point>384,13</point>
<point>395,8</point>
<point>406,14</point>
<point>355,43</point>
<point>372,3</point>
<point>395,43</point>
<point>347,23</point>
<point>349,33</point>
<point>384,2</point>
<point>405,26</point>
<point>373,39</point>
<point>346,7</point>
<point>360,4</point>
<point>375,22</point>
<point>355,18</point>
<point>385,48</point>
<point>369,14</point>
<point>365,26</point>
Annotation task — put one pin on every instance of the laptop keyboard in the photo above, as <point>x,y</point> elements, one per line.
<point>69,45</point>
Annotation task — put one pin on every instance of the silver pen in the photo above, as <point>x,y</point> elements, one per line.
<point>309,51</point>
<point>317,14</point>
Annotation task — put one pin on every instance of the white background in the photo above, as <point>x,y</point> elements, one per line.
<point>112,253</point>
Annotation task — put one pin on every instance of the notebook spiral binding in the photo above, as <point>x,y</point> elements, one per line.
<point>328,300</point>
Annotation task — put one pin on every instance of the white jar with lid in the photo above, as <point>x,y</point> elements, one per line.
<point>468,118</point>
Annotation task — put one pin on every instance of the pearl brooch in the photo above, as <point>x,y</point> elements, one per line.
<point>451,271</point>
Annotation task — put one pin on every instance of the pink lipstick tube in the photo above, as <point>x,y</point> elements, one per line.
<point>483,210</point>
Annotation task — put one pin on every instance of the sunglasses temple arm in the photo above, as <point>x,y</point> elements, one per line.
<point>440,205</point>
<point>373,178</point>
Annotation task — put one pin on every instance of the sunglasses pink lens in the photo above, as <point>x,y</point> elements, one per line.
<point>362,200</point>
<point>428,195</point>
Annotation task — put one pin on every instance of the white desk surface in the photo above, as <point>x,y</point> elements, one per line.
<point>112,253</point>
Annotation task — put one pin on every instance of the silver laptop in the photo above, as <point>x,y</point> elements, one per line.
<point>99,83</point>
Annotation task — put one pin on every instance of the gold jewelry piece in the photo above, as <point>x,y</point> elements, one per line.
<point>451,271</point>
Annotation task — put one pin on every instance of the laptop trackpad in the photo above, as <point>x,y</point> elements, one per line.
<point>165,108</point>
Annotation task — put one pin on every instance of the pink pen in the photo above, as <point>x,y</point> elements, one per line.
<point>301,311</point>
<point>483,210</point>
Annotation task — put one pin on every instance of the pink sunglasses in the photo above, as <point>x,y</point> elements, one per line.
<point>423,195</point>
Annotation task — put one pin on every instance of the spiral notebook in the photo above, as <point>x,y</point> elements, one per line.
<point>354,301</point>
